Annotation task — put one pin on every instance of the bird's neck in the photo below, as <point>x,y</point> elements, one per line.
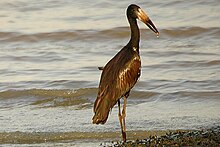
<point>135,33</point>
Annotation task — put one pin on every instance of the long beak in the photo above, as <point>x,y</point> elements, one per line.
<point>145,19</point>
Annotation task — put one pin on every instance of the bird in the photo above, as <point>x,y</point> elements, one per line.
<point>122,72</point>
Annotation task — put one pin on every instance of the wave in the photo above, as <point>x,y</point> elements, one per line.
<point>65,93</point>
<point>45,98</point>
<point>84,97</point>
<point>199,94</point>
<point>114,33</point>
<point>183,64</point>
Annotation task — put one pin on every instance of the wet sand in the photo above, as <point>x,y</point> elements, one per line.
<point>42,137</point>
<point>207,137</point>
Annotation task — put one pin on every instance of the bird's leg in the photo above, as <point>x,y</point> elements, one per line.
<point>124,112</point>
<point>120,118</point>
<point>123,117</point>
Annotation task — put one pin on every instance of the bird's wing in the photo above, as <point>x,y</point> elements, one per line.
<point>107,95</point>
<point>129,75</point>
<point>118,77</point>
<point>106,86</point>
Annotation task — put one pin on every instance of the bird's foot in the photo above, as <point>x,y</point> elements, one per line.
<point>124,136</point>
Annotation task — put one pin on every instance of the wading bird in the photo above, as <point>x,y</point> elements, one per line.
<point>121,73</point>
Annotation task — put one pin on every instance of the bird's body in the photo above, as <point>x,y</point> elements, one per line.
<point>113,85</point>
<point>121,73</point>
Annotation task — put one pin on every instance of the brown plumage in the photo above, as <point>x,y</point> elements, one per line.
<point>116,82</point>
<point>121,73</point>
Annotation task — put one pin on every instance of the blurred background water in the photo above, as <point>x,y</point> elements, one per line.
<point>50,51</point>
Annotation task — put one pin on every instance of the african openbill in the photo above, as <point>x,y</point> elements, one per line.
<point>121,73</point>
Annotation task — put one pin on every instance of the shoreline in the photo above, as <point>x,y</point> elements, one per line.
<point>168,137</point>
<point>42,137</point>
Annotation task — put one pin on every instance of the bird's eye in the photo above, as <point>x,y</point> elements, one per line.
<point>132,12</point>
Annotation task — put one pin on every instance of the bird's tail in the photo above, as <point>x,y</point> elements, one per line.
<point>101,110</point>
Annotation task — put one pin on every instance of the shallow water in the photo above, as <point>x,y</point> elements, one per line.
<point>50,51</point>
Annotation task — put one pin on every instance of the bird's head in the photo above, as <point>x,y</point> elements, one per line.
<point>136,12</point>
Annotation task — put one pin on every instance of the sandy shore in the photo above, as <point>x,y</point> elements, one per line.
<point>42,137</point>
<point>209,137</point>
